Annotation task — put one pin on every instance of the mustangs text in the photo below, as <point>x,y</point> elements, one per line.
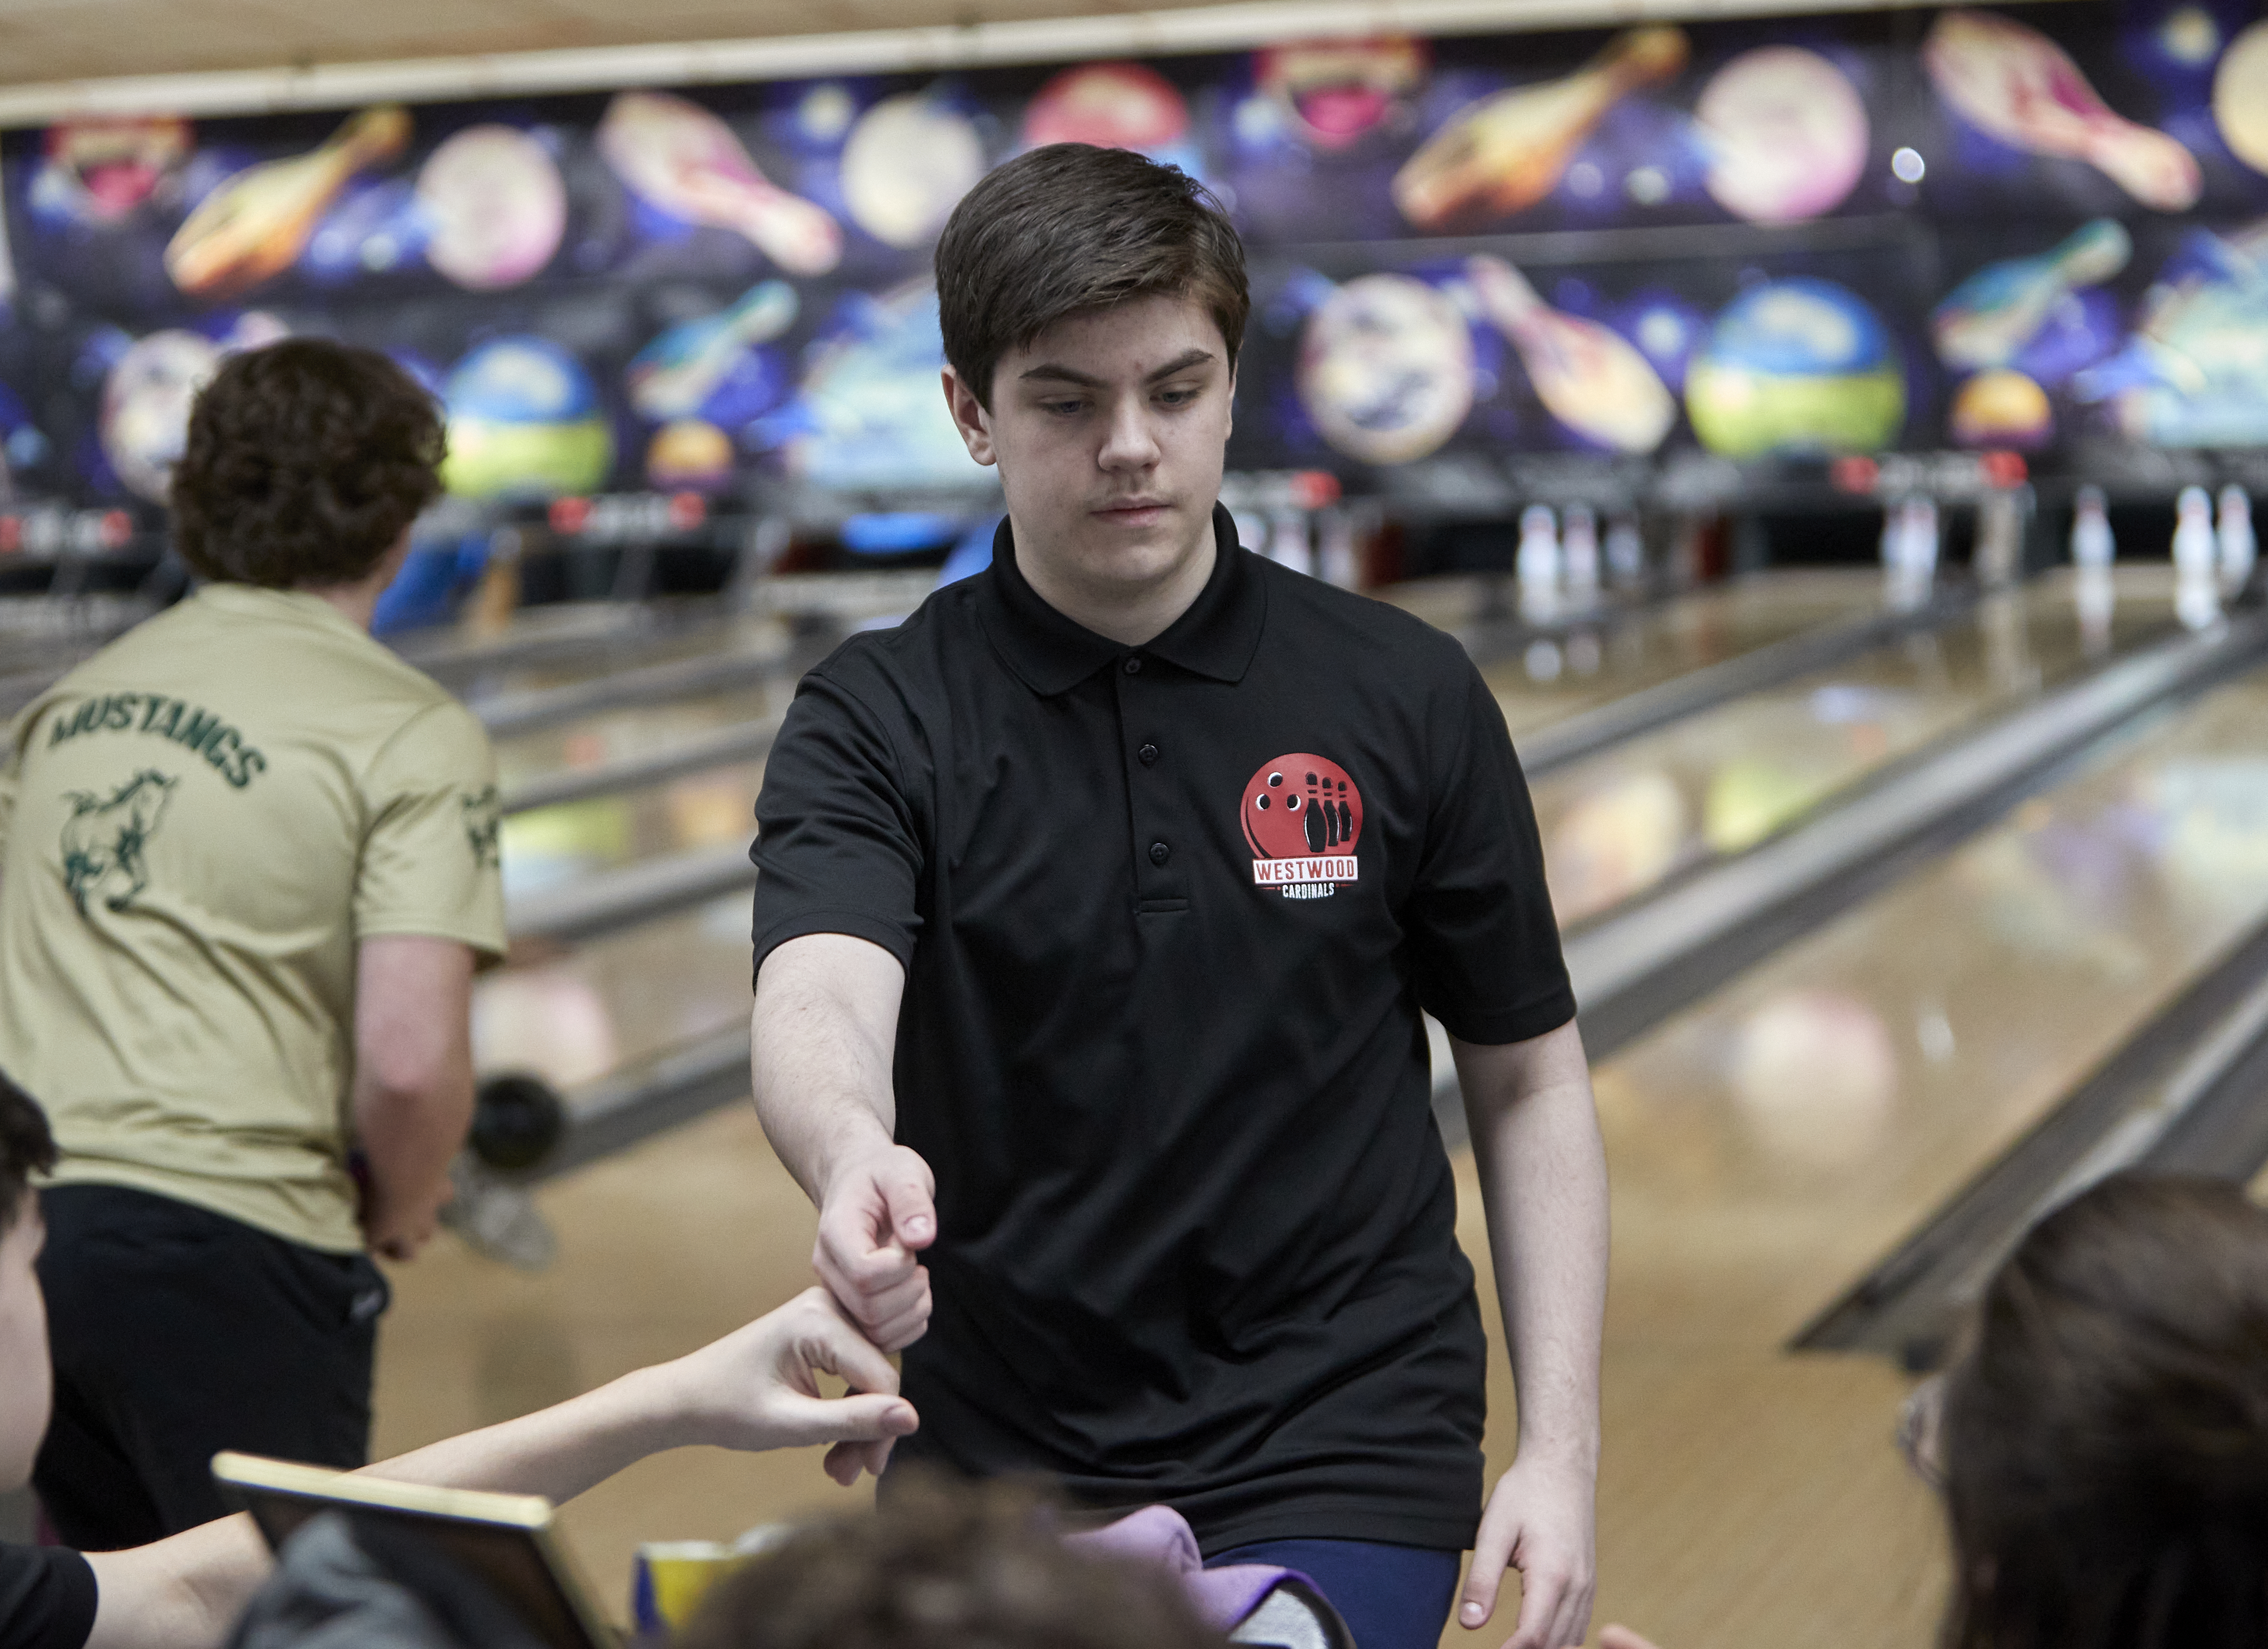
<point>160,716</point>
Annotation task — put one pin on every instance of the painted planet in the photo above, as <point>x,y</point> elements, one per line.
<point>99,170</point>
<point>1814,1078</point>
<point>495,207</point>
<point>524,423</point>
<point>909,161</point>
<point>1331,92</point>
<point>2002,408</point>
<point>2240,96</point>
<point>1386,368</point>
<point>145,407</point>
<point>1112,106</point>
<point>1787,135</point>
<point>688,453</point>
<point>1796,366</point>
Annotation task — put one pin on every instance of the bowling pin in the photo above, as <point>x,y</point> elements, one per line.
<point>1537,565</point>
<point>686,161</point>
<point>2091,543</point>
<point>2013,82</point>
<point>1579,551</point>
<point>1994,314</point>
<point>1335,548</point>
<point>1999,536</point>
<point>1625,552</point>
<point>1589,377</point>
<point>2239,548</point>
<point>2096,599</point>
<point>2196,549</point>
<point>1508,151</point>
<point>257,221</point>
<point>1288,540</point>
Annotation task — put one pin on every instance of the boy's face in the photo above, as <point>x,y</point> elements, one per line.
<point>1109,431</point>
<point>26,1383</point>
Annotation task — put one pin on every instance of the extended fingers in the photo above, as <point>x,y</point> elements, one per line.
<point>1491,1557</point>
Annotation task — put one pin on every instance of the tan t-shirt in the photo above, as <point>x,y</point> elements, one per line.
<point>197,826</point>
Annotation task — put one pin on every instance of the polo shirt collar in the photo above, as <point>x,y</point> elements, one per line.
<point>1051,654</point>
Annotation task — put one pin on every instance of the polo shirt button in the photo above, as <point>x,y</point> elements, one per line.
<point>1133,666</point>
<point>1148,753</point>
<point>1159,853</point>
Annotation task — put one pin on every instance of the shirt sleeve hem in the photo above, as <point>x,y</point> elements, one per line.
<point>488,944</point>
<point>75,1620</point>
<point>891,935</point>
<point>1512,1025</point>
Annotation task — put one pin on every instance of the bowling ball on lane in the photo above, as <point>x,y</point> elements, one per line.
<point>518,1121</point>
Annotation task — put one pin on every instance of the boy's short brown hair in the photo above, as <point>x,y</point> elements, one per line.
<point>1070,227</point>
<point>305,461</point>
<point>26,1147</point>
<point>939,1565</point>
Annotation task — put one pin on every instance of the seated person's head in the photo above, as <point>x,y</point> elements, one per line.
<point>2105,1435</point>
<point>938,1566</point>
<point>306,463</point>
<point>27,1148</point>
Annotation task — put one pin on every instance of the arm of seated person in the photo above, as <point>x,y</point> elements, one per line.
<point>413,1082</point>
<point>756,1389</point>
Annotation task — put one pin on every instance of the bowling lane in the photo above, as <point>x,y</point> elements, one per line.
<point>1769,1143</point>
<point>572,1014</point>
<point>1549,678</point>
<point>1622,822</point>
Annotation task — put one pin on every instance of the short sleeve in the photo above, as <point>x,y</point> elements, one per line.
<point>837,849</point>
<point>1484,946</point>
<point>430,862</point>
<point>46,1598</point>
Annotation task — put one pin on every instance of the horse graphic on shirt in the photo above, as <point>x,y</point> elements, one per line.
<point>103,840</point>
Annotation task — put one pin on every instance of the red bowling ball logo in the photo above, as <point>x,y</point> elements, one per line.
<point>1302,816</point>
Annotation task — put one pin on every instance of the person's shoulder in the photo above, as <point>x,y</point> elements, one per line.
<point>47,1598</point>
<point>911,657</point>
<point>1398,641</point>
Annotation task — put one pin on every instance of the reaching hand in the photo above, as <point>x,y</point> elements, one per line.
<point>1621,1638</point>
<point>1539,1521</point>
<point>877,1215</point>
<point>758,1387</point>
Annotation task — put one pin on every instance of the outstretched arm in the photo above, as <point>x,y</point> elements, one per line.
<point>824,1032</point>
<point>1543,1184</point>
<point>756,1389</point>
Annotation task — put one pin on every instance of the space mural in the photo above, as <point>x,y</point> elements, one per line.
<point>1771,241</point>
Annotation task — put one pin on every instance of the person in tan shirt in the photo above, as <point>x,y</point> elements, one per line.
<point>247,867</point>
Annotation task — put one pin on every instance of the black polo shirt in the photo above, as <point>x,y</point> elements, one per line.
<point>46,1598</point>
<point>1169,914</point>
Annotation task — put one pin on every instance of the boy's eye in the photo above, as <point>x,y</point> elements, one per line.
<point>1064,409</point>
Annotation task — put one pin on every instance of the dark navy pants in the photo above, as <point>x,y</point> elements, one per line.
<point>1391,1597</point>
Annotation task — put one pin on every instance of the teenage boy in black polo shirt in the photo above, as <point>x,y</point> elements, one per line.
<point>1097,906</point>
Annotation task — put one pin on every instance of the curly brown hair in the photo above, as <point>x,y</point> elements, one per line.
<point>305,460</point>
<point>944,1565</point>
<point>1068,228</point>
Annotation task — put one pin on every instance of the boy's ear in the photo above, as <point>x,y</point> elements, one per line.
<point>969,417</point>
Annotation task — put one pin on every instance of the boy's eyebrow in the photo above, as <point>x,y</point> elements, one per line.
<point>1056,372</point>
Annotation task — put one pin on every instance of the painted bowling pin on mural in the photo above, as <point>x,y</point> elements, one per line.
<point>1587,376</point>
<point>679,157</point>
<point>1994,314</point>
<point>672,376</point>
<point>1508,151</point>
<point>256,223</point>
<point>2014,84</point>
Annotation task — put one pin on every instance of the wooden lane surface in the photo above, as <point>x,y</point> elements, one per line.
<point>1747,1499</point>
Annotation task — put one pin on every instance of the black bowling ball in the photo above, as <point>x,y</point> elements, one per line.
<point>517,1121</point>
